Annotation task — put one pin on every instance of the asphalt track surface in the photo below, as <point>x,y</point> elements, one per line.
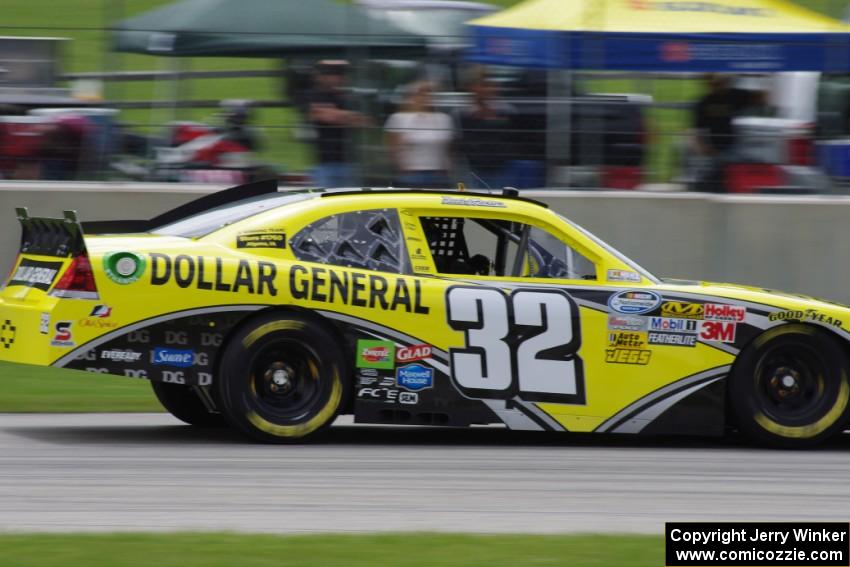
<point>109,472</point>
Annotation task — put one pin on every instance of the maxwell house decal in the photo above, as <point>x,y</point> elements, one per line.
<point>415,377</point>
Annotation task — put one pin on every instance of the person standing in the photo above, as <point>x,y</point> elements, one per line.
<point>485,129</point>
<point>332,119</point>
<point>715,135</point>
<point>419,140</point>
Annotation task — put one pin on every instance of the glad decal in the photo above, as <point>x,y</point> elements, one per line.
<point>413,353</point>
<point>718,312</point>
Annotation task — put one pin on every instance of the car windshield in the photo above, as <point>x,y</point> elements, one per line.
<point>616,253</point>
<point>206,222</point>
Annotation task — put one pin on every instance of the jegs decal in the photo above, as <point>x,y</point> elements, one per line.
<point>524,344</point>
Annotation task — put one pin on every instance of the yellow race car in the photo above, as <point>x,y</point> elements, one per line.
<point>278,311</point>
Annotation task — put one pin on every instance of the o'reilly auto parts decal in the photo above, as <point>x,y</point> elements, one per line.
<point>35,273</point>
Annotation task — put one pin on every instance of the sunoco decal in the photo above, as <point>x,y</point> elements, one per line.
<point>634,302</point>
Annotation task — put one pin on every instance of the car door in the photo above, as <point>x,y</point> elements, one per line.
<point>542,325</point>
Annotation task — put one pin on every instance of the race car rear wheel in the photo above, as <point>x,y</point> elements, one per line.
<point>184,403</point>
<point>790,388</point>
<point>282,378</point>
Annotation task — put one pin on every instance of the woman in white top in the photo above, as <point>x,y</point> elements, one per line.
<point>418,140</point>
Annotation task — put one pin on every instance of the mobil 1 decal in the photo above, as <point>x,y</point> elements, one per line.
<point>524,344</point>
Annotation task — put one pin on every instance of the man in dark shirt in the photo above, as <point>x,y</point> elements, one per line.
<point>485,131</point>
<point>332,119</point>
<point>713,116</point>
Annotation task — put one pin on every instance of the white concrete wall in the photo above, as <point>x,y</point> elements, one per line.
<point>798,244</point>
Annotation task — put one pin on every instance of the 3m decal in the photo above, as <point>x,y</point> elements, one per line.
<point>63,336</point>
<point>358,290</point>
<point>634,302</point>
<point>720,331</point>
<point>679,310</point>
<point>673,325</point>
<point>623,276</point>
<point>717,312</point>
<point>261,239</point>
<point>8,333</point>
<point>375,354</point>
<point>124,267</point>
<point>414,377</point>
<point>672,339</point>
<point>627,356</point>
<point>626,339</point>
<point>208,274</point>
<point>35,273</point>
<point>413,353</point>
<point>526,344</point>
<point>806,315</point>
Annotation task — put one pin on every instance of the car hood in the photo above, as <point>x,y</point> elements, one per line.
<point>769,299</point>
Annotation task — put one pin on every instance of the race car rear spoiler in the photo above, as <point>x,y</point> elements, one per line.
<point>51,237</point>
<point>205,203</point>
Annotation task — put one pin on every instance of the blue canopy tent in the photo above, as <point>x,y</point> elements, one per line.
<point>662,35</point>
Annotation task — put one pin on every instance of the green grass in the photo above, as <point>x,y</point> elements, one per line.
<point>83,21</point>
<point>25,388</point>
<point>407,550</point>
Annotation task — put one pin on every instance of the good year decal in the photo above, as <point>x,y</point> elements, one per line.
<point>523,344</point>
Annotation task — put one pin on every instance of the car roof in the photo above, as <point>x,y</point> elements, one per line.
<point>506,193</point>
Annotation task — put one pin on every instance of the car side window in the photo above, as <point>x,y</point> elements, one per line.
<point>490,247</point>
<point>369,240</point>
<point>548,257</point>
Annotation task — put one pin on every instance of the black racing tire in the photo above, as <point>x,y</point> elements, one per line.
<point>183,402</point>
<point>283,378</point>
<point>790,387</point>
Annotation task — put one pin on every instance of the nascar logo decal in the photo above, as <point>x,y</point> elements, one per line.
<point>634,302</point>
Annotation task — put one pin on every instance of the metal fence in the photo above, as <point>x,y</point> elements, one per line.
<point>150,118</point>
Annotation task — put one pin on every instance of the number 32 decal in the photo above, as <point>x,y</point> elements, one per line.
<point>524,345</point>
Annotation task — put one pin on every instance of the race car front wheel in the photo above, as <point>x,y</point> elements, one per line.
<point>282,378</point>
<point>790,388</point>
<point>184,403</point>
